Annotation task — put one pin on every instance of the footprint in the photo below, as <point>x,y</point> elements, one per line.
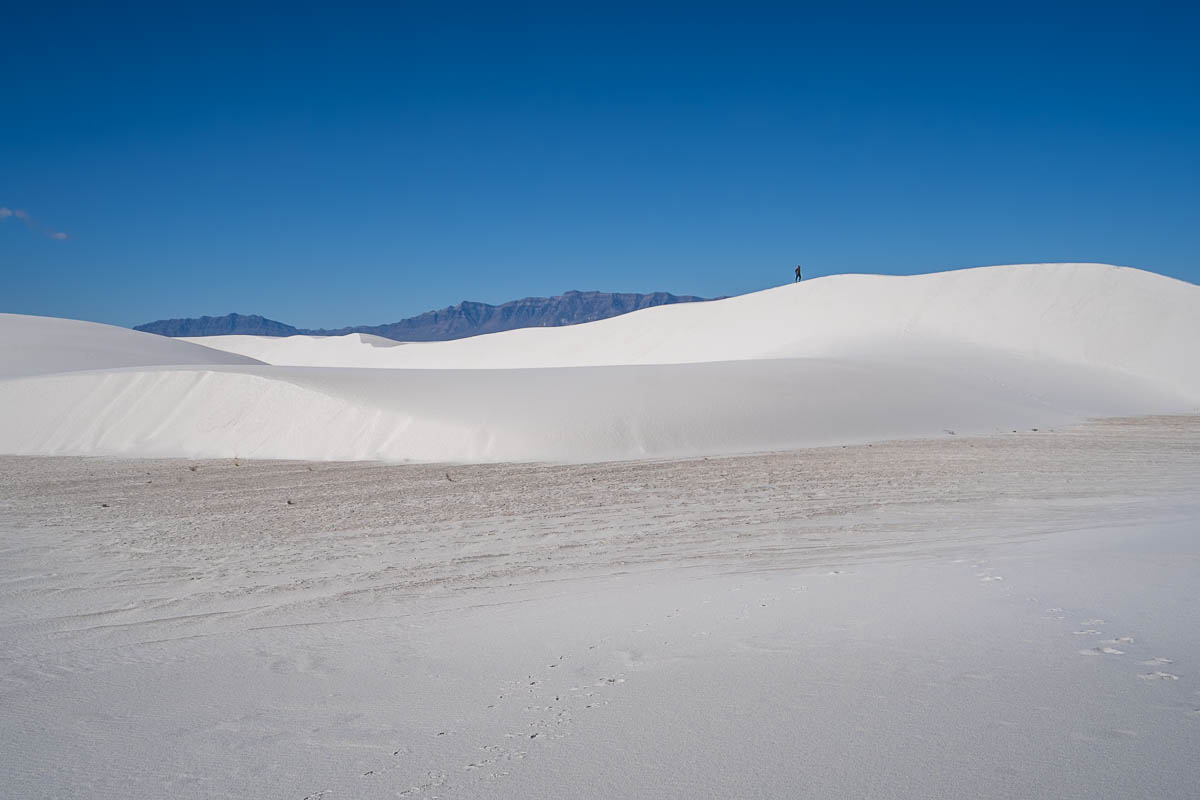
<point>1123,732</point>
<point>1158,676</point>
<point>435,779</point>
<point>499,754</point>
<point>1102,651</point>
<point>1153,662</point>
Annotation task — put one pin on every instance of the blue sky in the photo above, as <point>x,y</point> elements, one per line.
<point>332,165</point>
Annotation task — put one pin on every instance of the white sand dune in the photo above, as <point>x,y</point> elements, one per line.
<point>1089,314</point>
<point>567,414</point>
<point>989,617</point>
<point>351,350</point>
<point>839,360</point>
<point>44,345</point>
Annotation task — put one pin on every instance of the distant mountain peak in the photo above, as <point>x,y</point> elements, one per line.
<point>218,326</point>
<point>468,318</point>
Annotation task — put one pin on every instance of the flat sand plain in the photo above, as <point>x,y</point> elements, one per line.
<point>1002,616</point>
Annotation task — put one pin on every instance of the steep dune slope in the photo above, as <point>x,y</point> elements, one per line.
<point>555,414</point>
<point>44,345</point>
<point>837,360</point>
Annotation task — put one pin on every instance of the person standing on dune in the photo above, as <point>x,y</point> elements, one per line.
<point>797,273</point>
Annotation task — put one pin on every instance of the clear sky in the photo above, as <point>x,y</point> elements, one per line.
<point>328,164</point>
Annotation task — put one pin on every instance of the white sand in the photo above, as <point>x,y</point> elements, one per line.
<point>1000,616</point>
<point>839,360</point>
<point>1092,315</point>
<point>1010,616</point>
<point>47,345</point>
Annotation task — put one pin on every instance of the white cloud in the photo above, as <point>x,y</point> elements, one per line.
<point>31,223</point>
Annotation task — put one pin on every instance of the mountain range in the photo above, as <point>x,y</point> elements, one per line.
<point>454,322</point>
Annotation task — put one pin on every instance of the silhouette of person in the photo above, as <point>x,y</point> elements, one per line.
<point>797,273</point>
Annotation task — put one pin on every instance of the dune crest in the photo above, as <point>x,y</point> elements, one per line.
<point>837,360</point>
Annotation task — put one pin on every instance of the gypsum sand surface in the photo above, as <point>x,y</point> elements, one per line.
<point>997,616</point>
